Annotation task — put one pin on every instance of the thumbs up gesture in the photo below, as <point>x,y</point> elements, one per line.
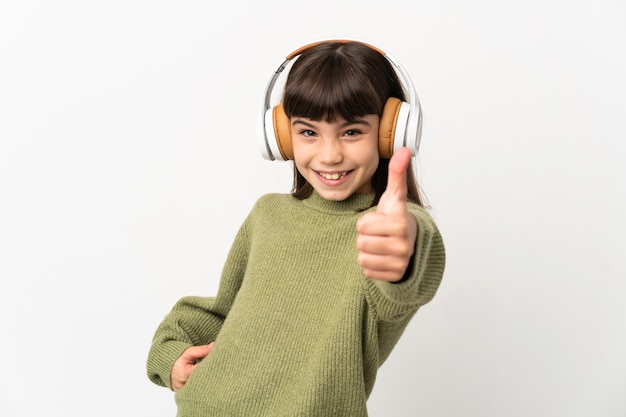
<point>386,237</point>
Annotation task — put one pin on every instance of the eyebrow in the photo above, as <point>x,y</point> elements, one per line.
<point>345,124</point>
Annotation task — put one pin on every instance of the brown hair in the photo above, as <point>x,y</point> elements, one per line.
<point>334,80</point>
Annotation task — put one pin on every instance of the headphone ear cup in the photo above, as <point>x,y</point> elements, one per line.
<point>392,123</point>
<point>282,132</point>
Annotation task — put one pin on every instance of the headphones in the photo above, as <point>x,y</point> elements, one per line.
<point>400,123</point>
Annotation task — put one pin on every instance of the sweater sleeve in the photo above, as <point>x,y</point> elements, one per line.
<point>194,320</point>
<point>397,301</point>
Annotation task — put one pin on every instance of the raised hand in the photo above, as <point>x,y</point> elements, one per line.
<point>386,239</point>
<point>186,363</point>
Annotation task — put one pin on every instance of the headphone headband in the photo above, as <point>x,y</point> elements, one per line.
<point>407,135</point>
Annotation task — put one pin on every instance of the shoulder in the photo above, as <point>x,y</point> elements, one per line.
<point>275,198</point>
<point>274,201</point>
<point>269,208</point>
<point>419,211</point>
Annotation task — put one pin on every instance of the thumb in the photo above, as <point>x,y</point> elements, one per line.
<point>396,190</point>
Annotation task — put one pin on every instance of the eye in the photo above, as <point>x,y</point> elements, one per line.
<point>352,133</point>
<point>308,133</point>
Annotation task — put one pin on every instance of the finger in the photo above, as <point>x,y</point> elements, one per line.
<point>194,353</point>
<point>382,267</point>
<point>381,224</point>
<point>396,190</point>
<point>383,245</point>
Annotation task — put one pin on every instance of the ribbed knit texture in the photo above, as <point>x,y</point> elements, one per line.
<point>299,330</point>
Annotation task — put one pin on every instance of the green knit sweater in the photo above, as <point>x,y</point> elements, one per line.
<point>298,329</point>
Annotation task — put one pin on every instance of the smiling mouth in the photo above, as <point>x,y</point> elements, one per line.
<point>332,176</point>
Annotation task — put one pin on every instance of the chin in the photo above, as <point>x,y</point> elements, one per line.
<point>334,195</point>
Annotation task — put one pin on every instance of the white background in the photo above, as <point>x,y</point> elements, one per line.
<point>128,160</point>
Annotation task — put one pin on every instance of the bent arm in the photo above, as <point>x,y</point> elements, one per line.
<point>195,321</point>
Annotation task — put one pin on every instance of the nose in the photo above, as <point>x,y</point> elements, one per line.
<point>329,152</point>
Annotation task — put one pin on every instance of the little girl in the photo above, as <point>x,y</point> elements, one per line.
<point>319,284</point>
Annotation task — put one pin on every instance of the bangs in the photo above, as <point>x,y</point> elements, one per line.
<point>330,99</point>
<point>331,87</point>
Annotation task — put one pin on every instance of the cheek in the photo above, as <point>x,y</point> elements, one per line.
<point>373,166</point>
<point>299,167</point>
<point>372,159</point>
<point>300,152</point>
<point>300,161</point>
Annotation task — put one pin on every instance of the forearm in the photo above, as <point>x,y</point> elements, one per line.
<point>193,321</point>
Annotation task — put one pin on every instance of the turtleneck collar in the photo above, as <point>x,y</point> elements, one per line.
<point>354,203</point>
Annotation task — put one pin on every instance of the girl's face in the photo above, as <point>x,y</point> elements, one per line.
<point>339,158</point>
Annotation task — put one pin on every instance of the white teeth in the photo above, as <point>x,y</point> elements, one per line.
<point>334,175</point>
